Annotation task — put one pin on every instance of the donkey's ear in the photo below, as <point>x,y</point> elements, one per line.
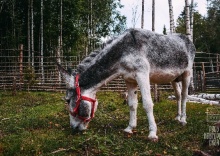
<point>67,76</point>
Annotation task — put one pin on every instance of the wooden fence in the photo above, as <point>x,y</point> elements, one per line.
<point>207,72</point>
<point>15,72</point>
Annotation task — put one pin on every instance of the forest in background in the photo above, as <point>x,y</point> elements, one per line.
<point>206,29</point>
<point>58,27</point>
<point>74,27</point>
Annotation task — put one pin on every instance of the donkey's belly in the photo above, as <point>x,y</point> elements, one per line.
<point>162,77</point>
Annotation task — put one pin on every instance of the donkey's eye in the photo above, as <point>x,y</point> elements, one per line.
<point>69,94</point>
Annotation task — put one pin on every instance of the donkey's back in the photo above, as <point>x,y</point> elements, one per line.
<point>166,57</point>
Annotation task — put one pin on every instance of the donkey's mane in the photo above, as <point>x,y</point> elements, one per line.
<point>88,60</point>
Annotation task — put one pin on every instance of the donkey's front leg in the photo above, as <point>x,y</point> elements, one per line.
<point>144,84</point>
<point>132,102</point>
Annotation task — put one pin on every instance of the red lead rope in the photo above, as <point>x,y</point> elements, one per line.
<point>78,100</point>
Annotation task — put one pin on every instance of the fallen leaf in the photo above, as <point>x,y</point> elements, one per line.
<point>57,125</point>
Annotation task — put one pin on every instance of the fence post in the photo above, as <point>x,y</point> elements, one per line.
<point>155,93</point>
<point>217,64</point>
<point>194,77</point>
<point>14,86</point>
<point>21,63</point>
<point>199,83</point>
<point>203,77</point>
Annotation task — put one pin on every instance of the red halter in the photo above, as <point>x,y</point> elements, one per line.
<point>78,100</point>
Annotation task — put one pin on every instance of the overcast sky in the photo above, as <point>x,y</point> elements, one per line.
<point>161,12</point>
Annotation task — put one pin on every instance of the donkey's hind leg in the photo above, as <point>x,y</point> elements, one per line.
<point>177,91</point>
<point>144,84</point>
<point>185,85</point>
<point>133,103</point>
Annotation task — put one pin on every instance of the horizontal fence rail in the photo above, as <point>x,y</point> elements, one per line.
<point>17,72</point>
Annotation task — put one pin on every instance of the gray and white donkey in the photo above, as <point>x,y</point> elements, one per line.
<point>140,57</point>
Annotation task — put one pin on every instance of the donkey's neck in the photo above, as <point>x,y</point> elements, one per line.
<point>106,65</point>
<point>95,77</point>
<point>103,70</point>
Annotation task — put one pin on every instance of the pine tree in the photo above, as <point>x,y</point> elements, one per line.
<point>164,30</point>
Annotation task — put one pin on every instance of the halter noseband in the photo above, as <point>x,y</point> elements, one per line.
<point>78,100</point>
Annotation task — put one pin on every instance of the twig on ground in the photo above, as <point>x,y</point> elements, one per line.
<point>60,150</point>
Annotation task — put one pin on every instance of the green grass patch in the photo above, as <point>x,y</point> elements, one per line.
<point>37,123</point>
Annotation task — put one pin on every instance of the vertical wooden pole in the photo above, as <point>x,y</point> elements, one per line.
<point>156,95</point>
<point>199,81</point>
<point>14,86</point>
<point>194,76</point>
<point>217,64</point>
<point>203,75</point>
<point>21,63</point>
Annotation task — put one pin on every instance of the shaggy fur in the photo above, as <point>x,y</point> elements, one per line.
<point>141,57</point>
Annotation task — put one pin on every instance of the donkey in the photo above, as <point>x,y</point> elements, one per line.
<point>141,57</point>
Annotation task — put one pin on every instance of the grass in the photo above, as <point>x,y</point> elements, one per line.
<point>37,123</point>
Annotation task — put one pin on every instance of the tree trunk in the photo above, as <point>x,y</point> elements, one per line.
<point>202,100</point>
<point>21,63</point>
<point>29,36</point>
<point>153,29</point>
<point>59,47</point>
<point>61,27</point>
<point>134,16</point>
<point>172,27</point>
<point>90,28</point>
<point>142,15</point>
<point>153,15</point>
<point>187,20</point>
<point>207,96</point>
<point>32,33</point>
<point>191,18</point>
<point>13,23</point>
<point>41,44</point>
<point>58,58</point>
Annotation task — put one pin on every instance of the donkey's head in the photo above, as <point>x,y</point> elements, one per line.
<point>81,108</point>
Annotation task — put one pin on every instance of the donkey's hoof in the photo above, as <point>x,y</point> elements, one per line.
<point>128,133</point>
<point>153,137</point>
<point>177,118</point>
<point>128,130</point>
<point>183,123</point>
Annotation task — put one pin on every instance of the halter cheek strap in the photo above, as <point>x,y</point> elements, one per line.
<point>78,100</point>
